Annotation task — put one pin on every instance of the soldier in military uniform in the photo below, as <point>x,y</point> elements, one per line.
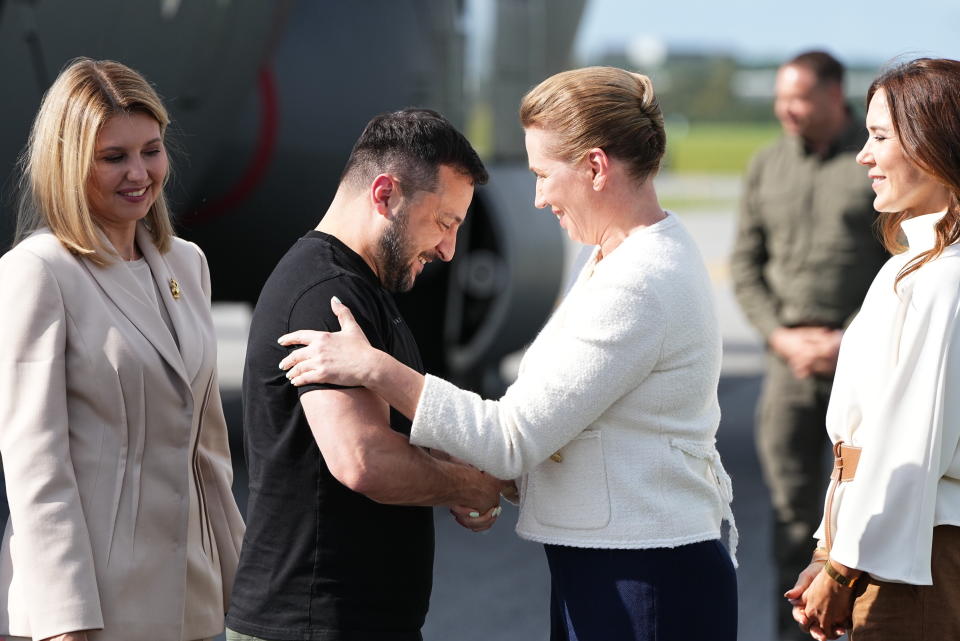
<point>805,254</point>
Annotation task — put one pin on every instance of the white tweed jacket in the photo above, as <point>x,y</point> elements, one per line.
<point>611,423</point>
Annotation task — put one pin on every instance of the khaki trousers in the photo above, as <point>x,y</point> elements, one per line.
<point>792,445</point>
<point>886,611</point>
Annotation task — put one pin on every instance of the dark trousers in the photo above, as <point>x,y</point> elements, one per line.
<point>792,444</point>
<point>687,593</point>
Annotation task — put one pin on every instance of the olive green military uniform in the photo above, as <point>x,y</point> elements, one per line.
<point>805,254</point>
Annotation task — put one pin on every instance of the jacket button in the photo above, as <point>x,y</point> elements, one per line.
<point>556,457</point>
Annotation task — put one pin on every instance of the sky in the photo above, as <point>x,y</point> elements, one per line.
<point>857,31</point>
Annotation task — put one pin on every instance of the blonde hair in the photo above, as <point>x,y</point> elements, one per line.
<point>599,107</point>
<point>57,161</point>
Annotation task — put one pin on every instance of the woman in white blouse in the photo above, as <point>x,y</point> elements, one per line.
<point>610,426</point>
<point>888,565</point>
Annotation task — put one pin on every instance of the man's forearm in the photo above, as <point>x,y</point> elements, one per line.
<point>352,430</point>
<point>759,306</point>
<point>747,264</point>
<point>398,473</point>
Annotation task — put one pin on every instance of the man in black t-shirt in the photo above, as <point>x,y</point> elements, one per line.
<point>339,541</point>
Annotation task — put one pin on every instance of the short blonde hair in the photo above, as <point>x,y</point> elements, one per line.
<point>57,161</point>
<point>599,107</point>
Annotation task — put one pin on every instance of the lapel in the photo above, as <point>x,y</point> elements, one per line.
<point>186,322</point>
<point>121,287</point>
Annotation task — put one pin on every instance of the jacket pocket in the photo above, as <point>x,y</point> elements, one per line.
<point>570,490</point>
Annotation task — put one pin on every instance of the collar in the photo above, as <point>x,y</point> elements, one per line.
<point>352,259</point>
<point>121,286</point>
<point>669,220</point>
<point>920,231</point>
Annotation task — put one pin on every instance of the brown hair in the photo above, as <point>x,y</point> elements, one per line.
<point>600,107</point>
<point>923,97</point>
<point>56,164</point>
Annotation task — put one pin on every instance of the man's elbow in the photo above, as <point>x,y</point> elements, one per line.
<point>358,473</point>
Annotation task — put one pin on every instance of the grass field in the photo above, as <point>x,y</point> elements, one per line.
<point>715,148</point>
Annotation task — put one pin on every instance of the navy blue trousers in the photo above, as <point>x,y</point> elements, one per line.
<point>687,593</point>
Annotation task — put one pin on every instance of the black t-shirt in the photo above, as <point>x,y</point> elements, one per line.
<point>320,561</point>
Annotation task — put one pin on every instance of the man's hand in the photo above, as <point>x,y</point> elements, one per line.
<point>797,346</point>
<point>825,363</point>
<point>469,517</point>
<point>807,350</point>
<point>486,506</point>
<point>510,491</point>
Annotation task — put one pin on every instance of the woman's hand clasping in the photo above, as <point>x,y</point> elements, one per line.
<point>342,358</point>
<point>820,606</point>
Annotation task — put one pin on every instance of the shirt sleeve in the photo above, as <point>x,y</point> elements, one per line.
<point>749,258</point>
<point>886,517</point>
<point>608,341</point>
<point>52,555</point>
<point>312,311</point>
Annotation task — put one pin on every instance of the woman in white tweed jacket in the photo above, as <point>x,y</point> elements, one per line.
<point>610,425</point>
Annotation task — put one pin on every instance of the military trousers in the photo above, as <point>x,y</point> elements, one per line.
<point>793,448</point>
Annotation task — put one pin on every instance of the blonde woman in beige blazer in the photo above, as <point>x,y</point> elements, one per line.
<point>122,521</point>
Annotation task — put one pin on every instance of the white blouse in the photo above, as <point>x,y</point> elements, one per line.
<point>896,395</point>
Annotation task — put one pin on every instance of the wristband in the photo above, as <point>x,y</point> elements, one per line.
<point>845,581</point>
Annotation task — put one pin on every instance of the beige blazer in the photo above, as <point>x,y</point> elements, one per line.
<point>106,427</point>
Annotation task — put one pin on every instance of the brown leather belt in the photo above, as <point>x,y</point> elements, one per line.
<point>845,461</point>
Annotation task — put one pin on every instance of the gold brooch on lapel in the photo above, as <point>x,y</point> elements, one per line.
<point>175,288</point>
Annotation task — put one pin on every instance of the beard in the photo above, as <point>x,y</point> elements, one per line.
<point>395,256</point>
